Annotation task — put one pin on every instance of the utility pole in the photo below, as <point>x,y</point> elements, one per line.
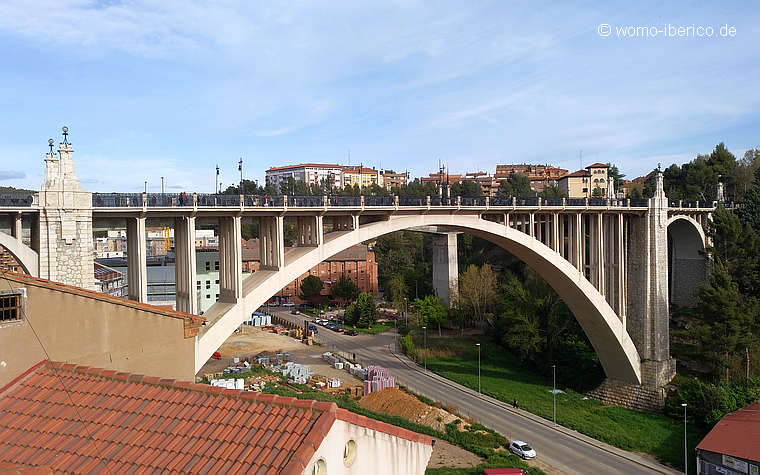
<point>216,180</point>
<point>162,186</point>
<point>685,452</point>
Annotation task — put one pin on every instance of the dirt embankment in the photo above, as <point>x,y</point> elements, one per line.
<point>396,402</point>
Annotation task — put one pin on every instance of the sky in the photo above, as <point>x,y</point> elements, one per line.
<point>174,87</point>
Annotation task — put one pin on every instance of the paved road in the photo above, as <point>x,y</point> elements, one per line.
<point>565,450</point>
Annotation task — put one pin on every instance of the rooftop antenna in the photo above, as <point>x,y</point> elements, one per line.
<point>240,168</point>
<point>50,144</point>
<point>65,135</point>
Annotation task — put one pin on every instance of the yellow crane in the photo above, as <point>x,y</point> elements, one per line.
<point>166,239</point>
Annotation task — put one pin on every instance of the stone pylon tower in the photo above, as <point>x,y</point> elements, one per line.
<point>65,237</point>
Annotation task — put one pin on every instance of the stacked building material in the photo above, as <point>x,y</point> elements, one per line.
<point>378,378</point>
<point>297,373</point>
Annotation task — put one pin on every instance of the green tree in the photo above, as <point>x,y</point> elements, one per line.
<point>466,188</point>
<point>553,191</point>
<point>397,292</point>
<point>344,289</point>
<point>750,210</point>
<point>724,323</point>
<point>477,292</point>
<point>432,310</point>
<point>311,288</point>
<point>363,312</point>
<point>614,174</point>
<point>517,185</point>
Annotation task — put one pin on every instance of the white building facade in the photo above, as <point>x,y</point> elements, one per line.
<point>310,173</point>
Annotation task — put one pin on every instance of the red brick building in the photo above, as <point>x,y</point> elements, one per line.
<point>357,262</point>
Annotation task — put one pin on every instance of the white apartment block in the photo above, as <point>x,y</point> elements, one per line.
<point>311,173</point>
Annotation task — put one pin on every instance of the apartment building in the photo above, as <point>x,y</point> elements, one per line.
<point>357,262</point>
<point>593,181</point>
<point>360,176</point>
<point>540,176</point>
<point>390,180</point>
<point>310,173</point>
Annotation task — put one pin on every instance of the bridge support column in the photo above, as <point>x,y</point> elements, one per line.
<point>185,272</point>
<point>271,242</point>
<point>445,266</point>
<point>578,242</point>
<point>230,259</point>
<point>598,252</point>
<point>16,226</point>
<point>137,270</point>
<point>310,231</point>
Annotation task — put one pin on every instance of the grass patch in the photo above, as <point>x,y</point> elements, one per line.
<point>503,377</point>
<point>374,329</point>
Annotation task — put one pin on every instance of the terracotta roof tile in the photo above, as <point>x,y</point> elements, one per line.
<point>135,424</point>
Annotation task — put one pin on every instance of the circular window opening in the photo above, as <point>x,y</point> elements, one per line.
<point>320,467</point>
<point>349,453</point>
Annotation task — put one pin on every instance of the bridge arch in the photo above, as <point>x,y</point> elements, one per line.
<point>603,327</point>
<point>687,264</point>
<point>24,254</point>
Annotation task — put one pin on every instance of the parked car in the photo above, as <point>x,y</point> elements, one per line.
<point>521,449</point>
<point>216,356</point>
<point>339,329</point>
<point>331,326</point>
<point>288,304</point>
<point>313,328</point>
<point>295,311</point>
<point>352,332</point>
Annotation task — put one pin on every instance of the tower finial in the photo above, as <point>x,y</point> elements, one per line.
<point>50,144</point>
<point>65,135</point>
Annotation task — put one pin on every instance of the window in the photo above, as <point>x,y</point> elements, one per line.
<point>320,467</point>
<point>10,306</point>
<point>585,190</point>
<point>349,453</point>
<point>208,284</point>
<point>208,265</point>
<point>216,265</point>
<point>217,281</point>
<point>208,296</point>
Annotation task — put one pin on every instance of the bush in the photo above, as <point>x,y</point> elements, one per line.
<point>407,344</point>
<point>708,403</point>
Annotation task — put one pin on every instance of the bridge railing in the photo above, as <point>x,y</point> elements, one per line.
<point>16,198</point>
<point>133,200</point>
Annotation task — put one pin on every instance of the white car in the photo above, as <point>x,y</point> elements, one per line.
<point>520,448</point>
<point>288,304</point>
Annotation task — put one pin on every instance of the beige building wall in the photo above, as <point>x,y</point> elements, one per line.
<point>89,328</point>
<point>575,187</point>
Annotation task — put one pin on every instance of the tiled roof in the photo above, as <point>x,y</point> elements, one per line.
<point>303,165</point>
<point>598,165</point>
<point>736,435</point>
<point>192,323</point>
<point>577,173</point>
<point>118,422</point>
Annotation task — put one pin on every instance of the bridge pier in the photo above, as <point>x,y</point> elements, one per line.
<point>231,259</point>
<point>185,272</point>
<point>137,254</point>
<point>65,223</point>
<point>445,266</point>
<point>271,242</point>
<point>645,308</point>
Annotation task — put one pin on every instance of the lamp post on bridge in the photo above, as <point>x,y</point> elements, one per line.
<point>146,187</point>
<point>240,168</point>
<point>554,391</point>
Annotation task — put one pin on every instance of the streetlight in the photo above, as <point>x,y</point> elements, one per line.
<point>425,355</point>
<point>162,185</point>
<point>685,454</point>
<point>554,391</point>
<point>478,345</point>
<point>146,187</point>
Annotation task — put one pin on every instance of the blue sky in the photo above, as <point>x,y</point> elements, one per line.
<point>171,88</point>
